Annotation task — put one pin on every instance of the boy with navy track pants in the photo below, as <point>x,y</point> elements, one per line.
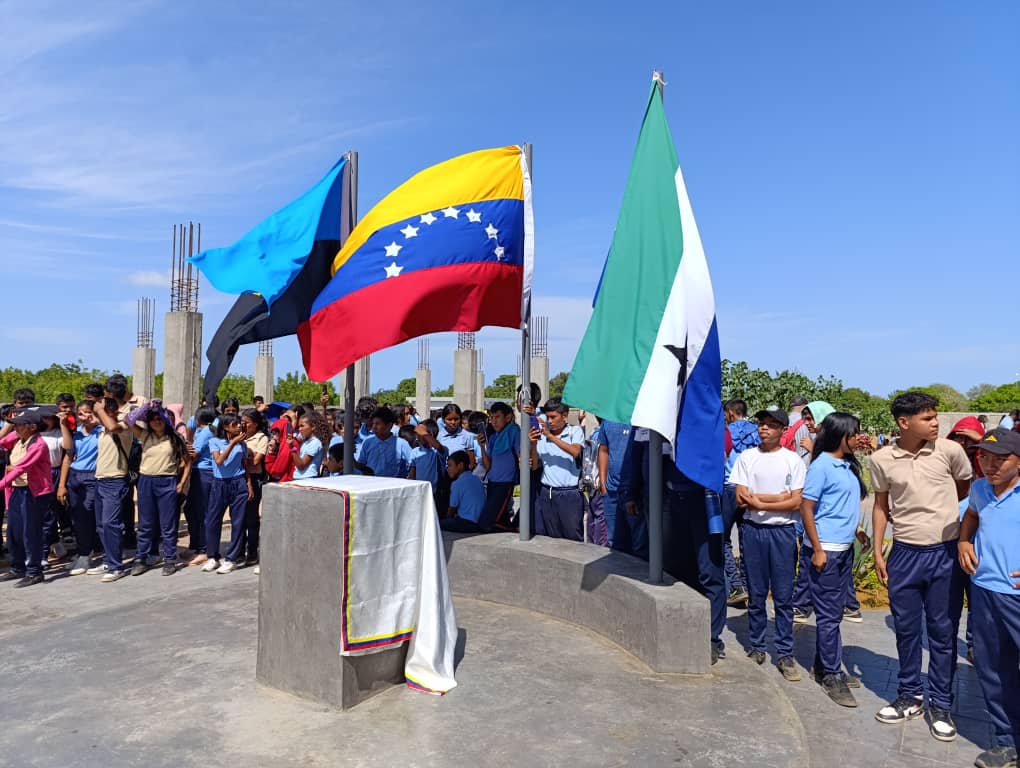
<point>769,481</point>
<point>918,484</point>
<point>992,559</point>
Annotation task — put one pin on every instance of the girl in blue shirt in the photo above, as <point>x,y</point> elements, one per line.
<point>500,451</point>
<point>831,511</point>
<point>77,485</point>
<point>200,487</point>
<point>231,488</point>
<point>308,450</point>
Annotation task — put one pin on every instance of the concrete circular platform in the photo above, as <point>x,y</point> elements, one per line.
<point>154,671</point>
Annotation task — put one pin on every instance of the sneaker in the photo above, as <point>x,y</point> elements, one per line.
<point>227,567</point>
<point>801,615</point>
<point>169,569</point>
<point>718,651</point>
<point>997,757</point>
<point>789,669</point>
<point>737,598</point>
<point>199,559</point>
<point>12,576</point>
<point>758,657</point>
<point>853,614</point>
<point>113,576</point>
<point>903,709</point>
<point>99,570</point>
<point>850,680</point>
<point>255,570</point>
<point>210,565</point>
<point>250,561</point>
<point>835,688</point>
<point>139,567</point>
<point>28,581</point>
<point>80,565</point>
<point>941,724</point>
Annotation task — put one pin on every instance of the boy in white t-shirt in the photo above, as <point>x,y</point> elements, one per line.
<point>769,481</point>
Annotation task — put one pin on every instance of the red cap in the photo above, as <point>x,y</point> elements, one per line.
<point>969,426</point>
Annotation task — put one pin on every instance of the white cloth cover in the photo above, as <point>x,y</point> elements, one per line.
<point>394,582</point>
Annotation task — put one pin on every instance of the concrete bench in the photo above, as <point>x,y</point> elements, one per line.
<point>665,626</point>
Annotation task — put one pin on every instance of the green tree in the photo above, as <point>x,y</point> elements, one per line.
<point>51,381</point>
<point>761,388</point>
<point>557,383</point>
<point>978,390</point>
<point>950,399</point>
<point>239,386</point>
<point>503,387</point>
<point>443,392</point>
<point>298,388</point>
<point>1004,399</point>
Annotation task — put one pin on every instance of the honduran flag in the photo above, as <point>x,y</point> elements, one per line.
<point>450,249</point>
<point>650,355</point>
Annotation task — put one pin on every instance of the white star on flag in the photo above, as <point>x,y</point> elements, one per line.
<point>474,216</point>
<point>393,270</point>
<point>499,252</point>
<point>451,212</point>
<point>393,249</point>
<point>409,232</point>
<point>491,231</point>
<point>428,218</point>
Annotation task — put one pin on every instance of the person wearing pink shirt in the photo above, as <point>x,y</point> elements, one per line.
<point>28,485</point>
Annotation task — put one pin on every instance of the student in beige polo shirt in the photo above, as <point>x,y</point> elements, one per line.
<point>918,484</point>
<point>112,487</point>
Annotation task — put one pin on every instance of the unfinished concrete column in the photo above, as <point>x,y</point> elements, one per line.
<point>540,353</point>
<point>143,379</point>
<point>182,347</point>
<point>423,381</point>
<point>265,371</point>
<point>465,371</point>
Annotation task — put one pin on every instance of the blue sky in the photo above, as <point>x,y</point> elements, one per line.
<point>854,167</point>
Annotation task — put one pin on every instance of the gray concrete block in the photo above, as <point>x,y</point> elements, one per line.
<point>666,626</point>
<point>299,604</point>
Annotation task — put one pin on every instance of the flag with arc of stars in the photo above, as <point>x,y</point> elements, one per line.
<point>450,249</point>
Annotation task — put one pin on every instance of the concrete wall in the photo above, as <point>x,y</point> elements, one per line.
<point>265,378</point>
<point>143,373</point>
<point>182,354</point>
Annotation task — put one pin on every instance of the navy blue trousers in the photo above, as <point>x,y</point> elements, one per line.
<point>559,513</point>
<point>770,555</point>
<point>625,532</point>
<point>199,491</point>
<point>81,497</point>
<point>828,594</point>
<point>499,503</point>
<point>925,580</point>
<point>252,521</point>
<point>802,587</point>
<point>735,576</point>
<point>110,495</point>
<point>25,516</point>
<point>227,492</point>
<point>693,555</point>
<point>157,511</point>
<point>996,619</point>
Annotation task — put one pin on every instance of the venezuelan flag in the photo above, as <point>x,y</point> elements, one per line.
<point>451,249</point>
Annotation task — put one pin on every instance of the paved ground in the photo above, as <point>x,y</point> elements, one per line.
<point>155,671</point>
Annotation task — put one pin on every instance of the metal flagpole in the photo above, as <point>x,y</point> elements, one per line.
<point>349,436</point>
<point>655,481</point>
<point>524,519</point>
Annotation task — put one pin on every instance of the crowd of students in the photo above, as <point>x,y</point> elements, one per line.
<point>793,489</point>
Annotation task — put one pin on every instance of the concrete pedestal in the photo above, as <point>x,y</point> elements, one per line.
<point>423,392</point>
<point>143,373</point>
<point>265,377</point>
<point>300,608</point>
<point>465,377</point>
<point>182,355</point>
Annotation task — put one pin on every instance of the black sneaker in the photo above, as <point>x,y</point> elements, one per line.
<point>850,680</point>
<point>169,569</point>
<point>718,651</point>
<point>853,614</point>
<point>903,709</point>
<point>940,723</point>
<point>802,615</point>
<point>835,688</point>
<point>789,669</point>
<point>997,757</point>
<point>758,657</point>
<point>29,581</point>
<point>139,567</point>
<point>737,598</point>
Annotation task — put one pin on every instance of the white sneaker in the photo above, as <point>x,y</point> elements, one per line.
<point>227,567</point>
<point>210,565</point>
<point>255,570</point>
<point>99,570</point>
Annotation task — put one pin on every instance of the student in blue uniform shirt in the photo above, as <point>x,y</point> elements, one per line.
<point>427,454</point>
<point>306,447</point>
<point>383,454</point>
<point>499,452</point>
<point>453,436</point>
<point>231,488</point>
<point>467,496</point>
<point>78,483</point>
<point>626,526</point>
<point>200,488</point>
<point>556,447</point>
<point>744,435</point>
<point>831,509</point>
<point>992,559</point>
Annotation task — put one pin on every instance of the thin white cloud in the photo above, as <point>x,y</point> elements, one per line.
<point>149,277</point>
<point>59,336</point>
